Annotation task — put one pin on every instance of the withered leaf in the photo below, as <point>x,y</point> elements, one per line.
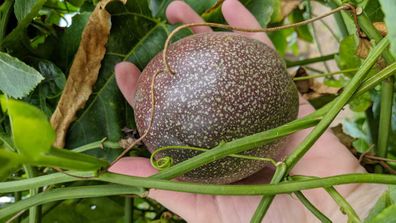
<point>380,26</point>
<point>83,72</point>
<point>303,86</point>
<point>363,48</point>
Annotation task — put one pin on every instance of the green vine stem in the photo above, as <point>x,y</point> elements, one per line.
<point>212,189</point>
<point>309,61</point>
<point>98,144</point>
<point>345,207</point>
<point>336,107</point>
<point>128,209</point>
<point>166,162</point>
<point>70,193</point>
<point>137,183</point>
<point>385,121</point>
<point>266,200</point>
<point>325,74</point>
<point>319,215</point>
<point>34,214</point>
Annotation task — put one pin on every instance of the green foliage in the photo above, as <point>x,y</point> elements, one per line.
<point>358,129</point>
<point>25,121</point>
<point>35,147</point>
<point>347,57</point>
<point>389,7</point>
<point>85,210</point>
<point>30,32</point>
<point>384,209</point>
<point>10,161</point>
<point>17,79</point>
<point>303,32</point>
<point>22,8</point>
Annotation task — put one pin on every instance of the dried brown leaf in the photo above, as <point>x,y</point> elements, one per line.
<point>303,86</point>
<point>83,72</point>
<point>363,48</point>
<point>380,26</point>
<point>318,89</point>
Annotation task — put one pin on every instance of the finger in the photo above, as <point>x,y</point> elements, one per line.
<point>179,11</point>
<point>243,19</point>
<point>181,203</point>
<point>126,75</point>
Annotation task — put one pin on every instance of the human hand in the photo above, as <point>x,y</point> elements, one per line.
<point>326,158</point>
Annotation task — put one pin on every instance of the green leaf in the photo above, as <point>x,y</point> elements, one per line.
<point>17,35</point>
<point>353,128</point>
<point>47,93</point>
<point>303,32</point>
<point>372,9</point>
<point>31,132</point>
<point>88,210</point>
<point>261,9</point>
<point>277,11</point>
<point>387,215</point>
<point>347,57</point>
<point>33,137</point>
<point>158,7</point>
<point>361,103</point>
<point>17,79</point>
<point>361,145</point>
<point>280,39</point>
<point>389,8</point>
<point>384,209</point>
<point>70,160</point>
<point>10,161</point>
<point>22,8</point>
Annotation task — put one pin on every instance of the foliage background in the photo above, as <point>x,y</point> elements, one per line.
<point>37,53</point>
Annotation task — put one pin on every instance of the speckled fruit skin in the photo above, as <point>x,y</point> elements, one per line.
<point>226,86</point>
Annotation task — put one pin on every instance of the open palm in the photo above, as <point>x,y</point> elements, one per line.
<point>327,157</point>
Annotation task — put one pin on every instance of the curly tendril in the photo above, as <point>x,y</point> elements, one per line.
<point>166,162</point>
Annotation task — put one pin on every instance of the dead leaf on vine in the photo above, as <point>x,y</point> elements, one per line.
<point>380,26</point>
<point>318,89</point>
<point>303,86</point>
<point>83,72</point>
<point>363,48</point>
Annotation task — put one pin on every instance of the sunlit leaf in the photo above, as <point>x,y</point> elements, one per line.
<point>31,132</point>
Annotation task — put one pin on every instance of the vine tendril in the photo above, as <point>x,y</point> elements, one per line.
<point>166,162</point>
